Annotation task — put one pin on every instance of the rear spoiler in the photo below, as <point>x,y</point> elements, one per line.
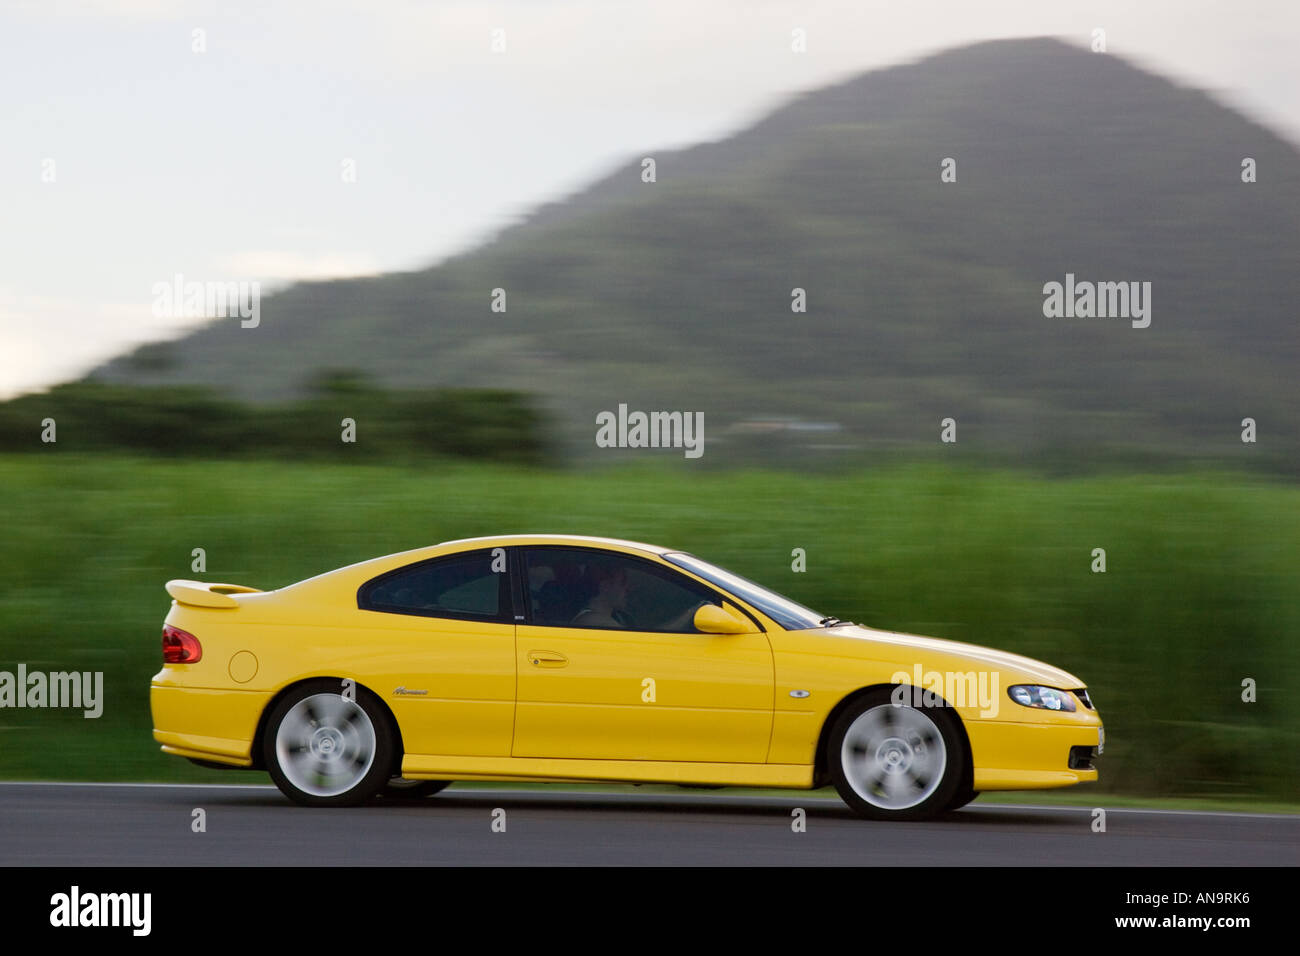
<point>199,594</point>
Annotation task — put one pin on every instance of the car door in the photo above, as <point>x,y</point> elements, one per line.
<point>610,666</point>
<point>441,636</point>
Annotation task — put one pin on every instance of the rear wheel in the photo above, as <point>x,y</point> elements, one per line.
<point>892,762</point>
<point>323,749</point>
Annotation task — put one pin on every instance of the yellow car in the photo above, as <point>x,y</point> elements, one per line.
<point>559,657</point>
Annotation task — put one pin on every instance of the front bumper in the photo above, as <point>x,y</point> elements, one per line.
<point>1011,755</point>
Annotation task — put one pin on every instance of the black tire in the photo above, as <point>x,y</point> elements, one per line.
<point>324,750</point>
<point>399,788</point>
<point>960,799</point>
<point>902,762</point>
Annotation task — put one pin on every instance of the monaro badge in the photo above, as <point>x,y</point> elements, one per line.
<point>402,691</point>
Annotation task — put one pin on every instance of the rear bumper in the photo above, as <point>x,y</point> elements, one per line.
<point>216,725</point>
<point>1008,755</point>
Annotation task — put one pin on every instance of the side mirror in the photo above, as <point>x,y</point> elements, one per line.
<point>711,619</point>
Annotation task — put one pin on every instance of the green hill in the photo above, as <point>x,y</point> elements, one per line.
<point>925,299</point>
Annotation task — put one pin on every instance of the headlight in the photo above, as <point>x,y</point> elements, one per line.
<point>1046,698</point>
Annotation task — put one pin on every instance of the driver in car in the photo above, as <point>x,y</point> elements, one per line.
<point>607,607</point>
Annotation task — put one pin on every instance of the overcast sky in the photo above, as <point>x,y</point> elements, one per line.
<point>227,164</point>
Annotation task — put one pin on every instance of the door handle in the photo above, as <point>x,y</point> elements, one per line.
<point>547,659</point>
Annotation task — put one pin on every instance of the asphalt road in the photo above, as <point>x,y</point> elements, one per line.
<point>150,825</point>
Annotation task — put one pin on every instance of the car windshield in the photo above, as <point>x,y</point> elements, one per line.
<point>787,613</point>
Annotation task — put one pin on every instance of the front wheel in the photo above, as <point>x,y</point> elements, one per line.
<point>323,749</point>
<point>961,798</point>
<point>400,788</point>
<point>896,762</point>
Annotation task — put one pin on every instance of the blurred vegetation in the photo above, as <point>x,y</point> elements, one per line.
<point>485,424</point>
<point>1200,590</point>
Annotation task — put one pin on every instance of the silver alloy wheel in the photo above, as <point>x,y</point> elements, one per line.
<point>893,757</point>
<point>325,745</point>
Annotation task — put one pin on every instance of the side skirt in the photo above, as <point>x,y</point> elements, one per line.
<point>436,767</point>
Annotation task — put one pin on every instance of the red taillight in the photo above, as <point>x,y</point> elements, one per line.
<point>180,647</point>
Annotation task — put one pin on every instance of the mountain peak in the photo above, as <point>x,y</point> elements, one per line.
<point>925,298</point>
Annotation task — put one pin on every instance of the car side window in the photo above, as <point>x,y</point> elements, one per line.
<point>574,587</point>
<point>468,586</point>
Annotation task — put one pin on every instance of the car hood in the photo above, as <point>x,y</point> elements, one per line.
<point>886,645</point>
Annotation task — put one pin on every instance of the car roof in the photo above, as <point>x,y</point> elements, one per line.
<point>504,540</point>
<point>364,570</point>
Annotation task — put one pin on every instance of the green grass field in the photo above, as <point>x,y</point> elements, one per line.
<point>1200,591</point>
